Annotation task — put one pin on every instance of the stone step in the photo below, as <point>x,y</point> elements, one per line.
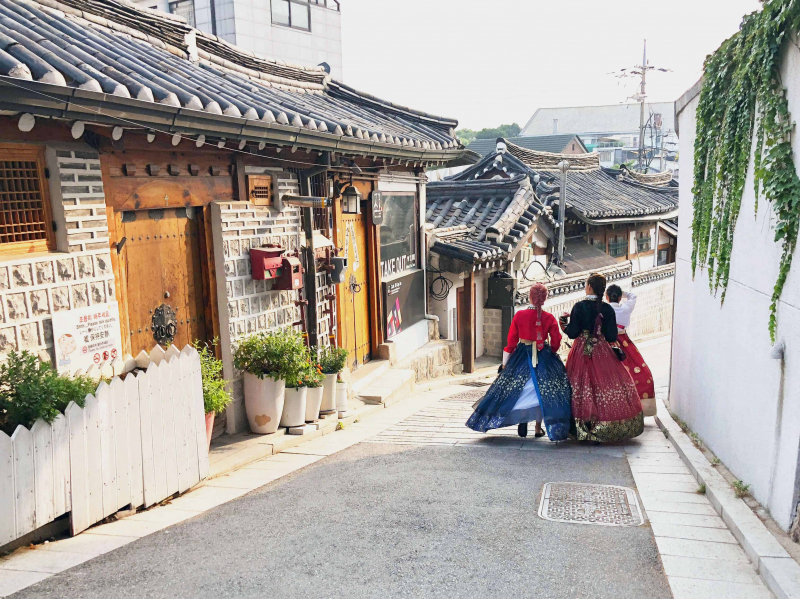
<point>391,387</point>
<point>433,360</point>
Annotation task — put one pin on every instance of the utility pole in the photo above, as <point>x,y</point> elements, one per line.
<point>563,166</point>
<point>642,97</point>
<point>640,70</point>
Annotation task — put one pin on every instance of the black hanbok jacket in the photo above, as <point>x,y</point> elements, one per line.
<point>583,318</point>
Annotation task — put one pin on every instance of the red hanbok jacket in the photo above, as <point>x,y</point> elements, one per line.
<point>523,326</point>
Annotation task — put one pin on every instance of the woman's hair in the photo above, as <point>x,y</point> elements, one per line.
<point>614,293</point>
<point>598,284</point>
<point>538,295</point>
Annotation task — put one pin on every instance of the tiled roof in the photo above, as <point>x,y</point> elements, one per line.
<point>131,56</point>
<point>603,194</point>
<point>593,192</point>
<point>484,221</point>
<point>541,143</point>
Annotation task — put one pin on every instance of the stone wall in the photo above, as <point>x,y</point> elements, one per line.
<point>493,342</point>
<point>249,306</point>
<point>80,274</point>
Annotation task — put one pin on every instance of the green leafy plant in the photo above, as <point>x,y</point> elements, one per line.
<point>715,462</point>
<point>314,376</point>
<point>31,389</point>
<point>281,355</point>
<point>742,92</point>
<point>701,489</point>
<point>215,397</point>
<point>332,359</point>
<point>740,489</point>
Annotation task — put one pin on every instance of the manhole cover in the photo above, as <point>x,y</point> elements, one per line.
<point>581,503</point>
<point>476,384</point>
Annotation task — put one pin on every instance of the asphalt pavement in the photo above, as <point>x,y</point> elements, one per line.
<point>386,519</point>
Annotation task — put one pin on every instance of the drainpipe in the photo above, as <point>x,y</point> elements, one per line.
<point>563,166</point>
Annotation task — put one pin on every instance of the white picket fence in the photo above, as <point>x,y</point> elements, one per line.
<point>135,442</point>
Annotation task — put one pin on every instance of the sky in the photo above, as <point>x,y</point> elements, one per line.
<point>492,62</point>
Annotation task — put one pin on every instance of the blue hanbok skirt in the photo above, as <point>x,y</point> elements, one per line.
<point>524,393</point>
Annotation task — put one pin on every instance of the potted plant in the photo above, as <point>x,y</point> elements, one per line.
<point>313,382</point>
<point>332,360</point>
<point>294,404</point>
<point>215,396</point>
<point>341,394</point>
<point>267,360</point>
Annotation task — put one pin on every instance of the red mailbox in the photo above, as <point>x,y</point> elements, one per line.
<point>290,275</point>
<point>266,261</point>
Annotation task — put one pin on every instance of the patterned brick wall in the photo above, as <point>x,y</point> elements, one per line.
<point>248,306</point>
<point>33,288</point>
<point>493,341</point>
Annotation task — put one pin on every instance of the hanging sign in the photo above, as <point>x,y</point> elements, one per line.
<point>377,208</point>
<point>87,336</point>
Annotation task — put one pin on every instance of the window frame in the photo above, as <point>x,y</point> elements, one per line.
<point>385,195</point>
<point>10,152</point>
<point>173,4</point>
<point>303,3</point>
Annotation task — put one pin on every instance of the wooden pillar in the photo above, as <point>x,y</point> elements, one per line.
<point>468,324</point>
<point>310,287</point>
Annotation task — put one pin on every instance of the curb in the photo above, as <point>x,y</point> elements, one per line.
<point>780,572</point>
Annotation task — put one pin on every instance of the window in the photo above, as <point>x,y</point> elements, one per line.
<point>643,242</point>
<point>399,234</point>
<point>618,248</point>
<point>292,13</point>
<point>185,9</point>
<point>25,221</point>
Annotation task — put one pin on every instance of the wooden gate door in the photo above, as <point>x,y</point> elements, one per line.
<point>355,305</point>
<point>164,267</point>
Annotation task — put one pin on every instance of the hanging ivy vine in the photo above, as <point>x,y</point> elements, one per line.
<point>742,92</point>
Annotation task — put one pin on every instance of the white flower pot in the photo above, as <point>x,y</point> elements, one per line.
<point>294,407</point>
<point>341,397</point>
<point>313,402</point>
<point>328,394</point>
<point>263,402</point>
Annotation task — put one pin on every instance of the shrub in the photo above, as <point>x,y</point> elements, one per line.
<point>280,355</point>
<point>314,376</point>
<point>740,489</point>
<point>215,397</point>
<point>332,359</point>
<point>31,389</point>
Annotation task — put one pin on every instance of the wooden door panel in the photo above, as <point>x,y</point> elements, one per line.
<point>163,265</point>
<point>355,306</point>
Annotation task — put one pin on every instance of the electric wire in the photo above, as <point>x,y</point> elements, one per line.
<point>440,286</point>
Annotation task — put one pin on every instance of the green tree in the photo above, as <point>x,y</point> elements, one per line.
<point>465,136</point>
<point>511,130</point>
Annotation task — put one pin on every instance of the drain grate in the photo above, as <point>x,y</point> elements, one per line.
<point>582,503</point>
<point>476,384</point>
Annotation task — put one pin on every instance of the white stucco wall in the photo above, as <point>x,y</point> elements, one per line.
<point>744,405</point>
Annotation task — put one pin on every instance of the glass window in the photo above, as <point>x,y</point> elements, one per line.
<point>280,12</point>
<point>300,16</point>
<point>185,9</point>
<point>399,234</point>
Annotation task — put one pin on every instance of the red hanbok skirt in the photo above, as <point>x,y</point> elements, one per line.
<point>605,404</point>
<point>635,365</point>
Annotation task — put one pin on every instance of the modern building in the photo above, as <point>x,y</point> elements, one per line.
<point>613,131</point>
<point>297,32</point>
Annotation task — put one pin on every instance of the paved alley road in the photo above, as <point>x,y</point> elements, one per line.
<point>424,509</point>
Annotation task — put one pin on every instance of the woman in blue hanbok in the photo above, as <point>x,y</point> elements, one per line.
<point>532,384</point>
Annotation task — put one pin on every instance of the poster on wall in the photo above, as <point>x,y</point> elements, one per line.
<point>86,336</point>
<point>403,302</point>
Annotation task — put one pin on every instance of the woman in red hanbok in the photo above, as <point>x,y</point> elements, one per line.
<point>634,362</point>
<point>605,404</point>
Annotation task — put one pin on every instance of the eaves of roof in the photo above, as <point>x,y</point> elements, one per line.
<point>55,101</point>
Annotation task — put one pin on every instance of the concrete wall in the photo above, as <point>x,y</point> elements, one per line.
<point>743,404</point>
<point>248,306</point>
<point>78,274</point>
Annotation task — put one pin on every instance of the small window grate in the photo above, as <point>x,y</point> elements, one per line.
<point>260,192</point>
<point>22,213</point>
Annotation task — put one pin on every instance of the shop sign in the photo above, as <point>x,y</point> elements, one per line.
<point>87,336</point>
<point>403,302</point>
<point>392,266</point>
<point>377,208</point>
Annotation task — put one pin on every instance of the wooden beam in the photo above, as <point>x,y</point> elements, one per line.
<point>209,275</point>
<point>338,242</point>
<point>468,324</point>
<point>374,282</point>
